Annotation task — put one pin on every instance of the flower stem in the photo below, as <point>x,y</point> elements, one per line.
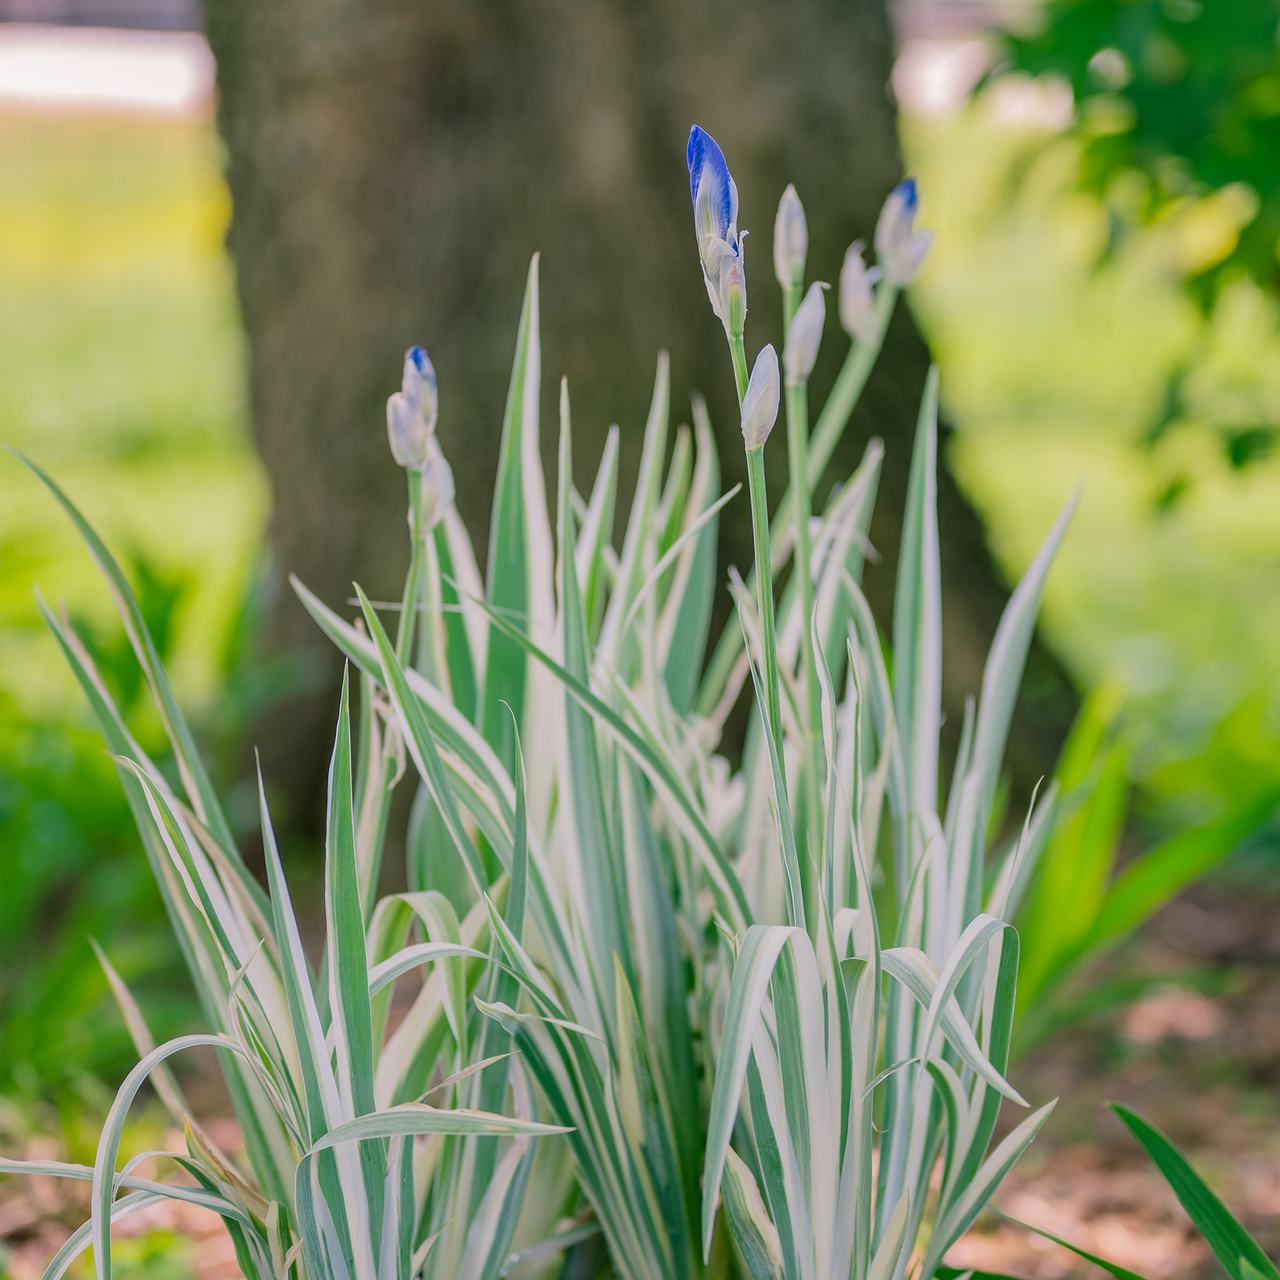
<point>409,602</point>
<point>791,295</point>
<point>848,387</point>
<point>826,435</point>
<point>798,451</point>
<point>764,590</point>
<point>739,354</point>
<point>372,830</point>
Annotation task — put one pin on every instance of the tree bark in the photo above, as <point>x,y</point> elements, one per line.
<point>394,164</point>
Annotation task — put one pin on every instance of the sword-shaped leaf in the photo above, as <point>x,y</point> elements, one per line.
<point>1232,1244</point>
<point>518,491</point>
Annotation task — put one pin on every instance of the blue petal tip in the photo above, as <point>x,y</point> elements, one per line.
<point>908,188</point>
<point>703,153</point>
<point>693,158</point>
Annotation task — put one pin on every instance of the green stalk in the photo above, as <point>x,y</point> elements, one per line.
<point>764,589</point>
<point>798,451</point>
<point>791,296</point>
<point>417,536</point>
<point>826,435</point>
<point>738,352</point>
<point>760,536</point>
<point>404,645</point>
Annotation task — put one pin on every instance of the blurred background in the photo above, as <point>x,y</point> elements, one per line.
<point>220,226</point>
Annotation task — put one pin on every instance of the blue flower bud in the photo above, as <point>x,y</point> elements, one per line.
<point>715,221</point>
<point>419,384</point>
<point>715,198</point>
<point>899,247</point>
<point>412,411</point>
<point>804,336</point>
<point>790,240</point>
<point>857,300</point>
<point>760,404</point>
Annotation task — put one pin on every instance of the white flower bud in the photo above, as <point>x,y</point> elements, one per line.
<point>411,412</point>
<point>804,336</point>
<point>899,247</point>
<point>790,240</point>
<point>437,489</point>
<point>407,432</point>
<point>760,404</point>
<point>857,300</point>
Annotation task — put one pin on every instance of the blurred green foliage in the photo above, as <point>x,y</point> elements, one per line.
<point>71,869</point>
<point>1178,118</point>
<point>1085,903</point>
<point>70,859</point>
<point>1185,92</point>
<point>1055,358</point>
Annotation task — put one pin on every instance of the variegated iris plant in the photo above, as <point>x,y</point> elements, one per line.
<point>740,990</point>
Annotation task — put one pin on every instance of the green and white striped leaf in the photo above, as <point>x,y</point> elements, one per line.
<point>749,1222</point>
<point>961,1215</point>
<point>917,617</point>
<point>518,581</point>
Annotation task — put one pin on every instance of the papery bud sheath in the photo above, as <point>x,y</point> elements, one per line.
<point>857,297</point>
<point>804,336</point>
<point>760,404</point>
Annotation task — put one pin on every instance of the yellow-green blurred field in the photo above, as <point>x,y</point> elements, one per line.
<point>121,371</point>
<point>1055,359</point>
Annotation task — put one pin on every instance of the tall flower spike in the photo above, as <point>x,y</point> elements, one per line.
<point>790,240</point>
<point>857,301</point>
<point>437,488</point>
<point>760,404</point>
<point>899,246</point>
<point>804,336</point>
<point>715,220</point>
<point>411,412</point>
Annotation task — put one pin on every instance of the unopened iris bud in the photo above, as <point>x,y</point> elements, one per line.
<point>899,246</point>
<point>790,240</point>
<point>419,383</point>
<point>715,221</point>
<point>804,336</point>
<point>412,411</point>
<point>407,431</point>
<point>857,300</point>
<point>760,404</point>
<point>437,489</point>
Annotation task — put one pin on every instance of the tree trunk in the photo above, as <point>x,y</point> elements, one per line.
<point>393,165</point>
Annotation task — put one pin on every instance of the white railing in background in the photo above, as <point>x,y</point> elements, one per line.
<point>98,68</point>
